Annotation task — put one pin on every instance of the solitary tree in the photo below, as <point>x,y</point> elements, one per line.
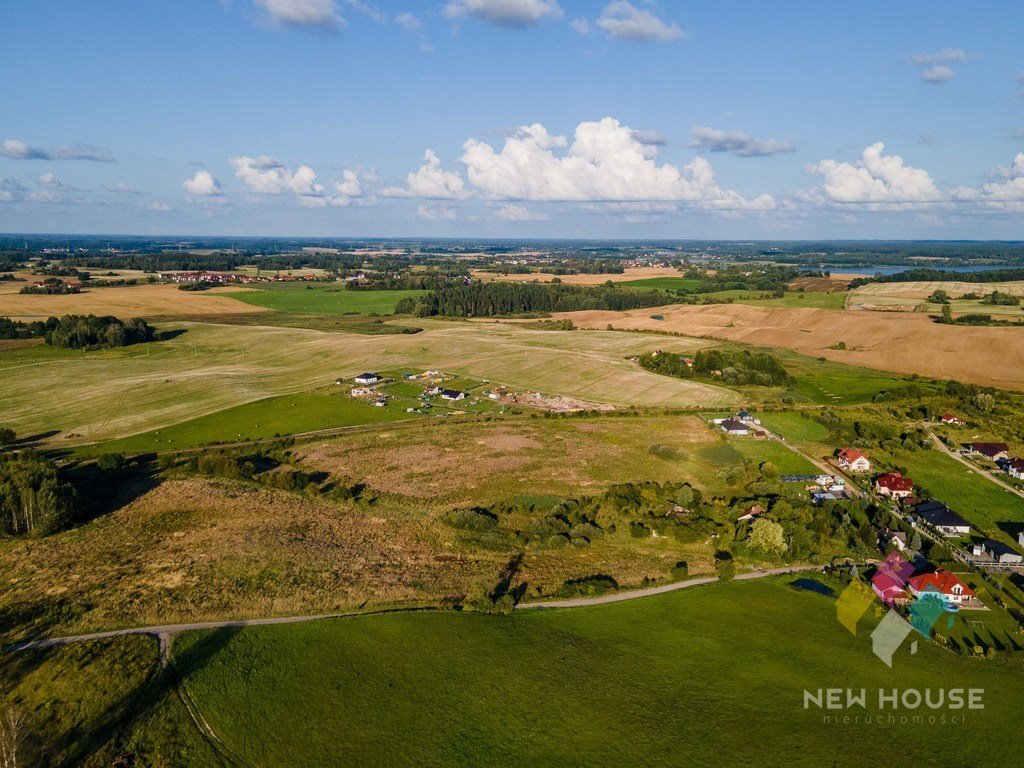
<point>768,537</point>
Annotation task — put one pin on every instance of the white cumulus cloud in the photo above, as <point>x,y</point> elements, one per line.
<point>267,175</point>
<point>604,162</point>
<point>430,181</point>
<point>737,142</point>
<point>1008,193</point>
<point>504,13</point>
<point>514,212</point>
<point>310,14</point>
<point>876,178</point>
<point>203,184</point>
<point>624,21</point>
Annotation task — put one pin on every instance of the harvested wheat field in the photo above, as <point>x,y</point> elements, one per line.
<point>904,343</point>
<point>925,288</point>
<point>825,284</point>
<point>151,301</point>
<point>631,273</point>
<point>210,367</point>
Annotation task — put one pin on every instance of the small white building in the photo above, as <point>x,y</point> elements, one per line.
<point>368,378</point>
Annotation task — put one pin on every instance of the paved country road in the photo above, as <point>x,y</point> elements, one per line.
<point>165,631</point>
<point>617,597</point>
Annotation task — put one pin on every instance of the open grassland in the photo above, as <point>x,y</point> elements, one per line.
<point>100,704</point>
<point>711,676</point>
<point>150,301</point>
<point>981,502</point>
<point>630,274</point>
<point>906,343</point>
<point>319,298</point>
<point>194,548</point>
<point>481,463</point>
<point>270,417</point>
<point>209,368</point>
<point>797,299</point>
<point>794,427</point>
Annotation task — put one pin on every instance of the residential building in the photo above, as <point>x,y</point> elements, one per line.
<point>368,378</point>
<point>994,451</point>
<point>941,518</point>
<point>996,550</point>
<point>943,585</point>
<point>735,427</point>
<point>853,460</point>
<point>894,485</point>
<point>952,419</point>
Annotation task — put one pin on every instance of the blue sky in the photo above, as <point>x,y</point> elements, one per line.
<point>313,117</point>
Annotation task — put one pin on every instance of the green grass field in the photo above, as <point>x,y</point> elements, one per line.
<point>322,298</point>
<point>737,449</point>
<point>981,502</point>
<point>270,417</point>
<point>712,676</point>
<point>794,427</point>
<point>794,299</point>
<point>662,283</point>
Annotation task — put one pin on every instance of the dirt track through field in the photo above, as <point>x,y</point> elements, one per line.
<point>904,343</point>
<point>167,630</point>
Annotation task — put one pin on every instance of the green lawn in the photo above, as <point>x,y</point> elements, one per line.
<point>281,415</point>
<point>329,298</point>
<point>794,427</point>
<point>758,451</point>
<point>980,501</point>
<point>712,676</point>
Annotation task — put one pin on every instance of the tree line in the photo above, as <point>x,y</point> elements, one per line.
<point>944,275</point>
<point>507,299</point>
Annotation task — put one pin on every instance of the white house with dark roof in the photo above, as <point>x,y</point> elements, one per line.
<point>368,378</point>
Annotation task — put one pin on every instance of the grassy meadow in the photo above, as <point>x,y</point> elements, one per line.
<point>320,298</point>
<point>705,677</point>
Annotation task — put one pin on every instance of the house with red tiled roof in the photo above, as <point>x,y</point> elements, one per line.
<point>894,484</point>
<point>853,460</point>
<point>889,588</point>
<point>943,585</point>
<point>953,419</point>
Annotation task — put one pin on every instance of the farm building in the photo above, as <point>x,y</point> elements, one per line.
<point>853,460</point>
<point>942,518</point>
<point>943,585</point>
<point>452,395</point>
<point>747,418</point>
<point>895,485</point>
<point>996,550</point>
<point>368,378</point>
<point>952,419</point>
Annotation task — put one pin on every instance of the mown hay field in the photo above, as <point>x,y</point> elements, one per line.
<point>151,301</point>
<point>92,396</point>
<point>905,343</point>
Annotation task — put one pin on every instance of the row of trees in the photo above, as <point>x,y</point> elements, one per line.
<point>506,299</point>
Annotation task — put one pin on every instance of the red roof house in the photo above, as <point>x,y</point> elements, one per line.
<point>952,418</point>
<point>941,584</point>
<point>894,484</point>
<point>852,459</point>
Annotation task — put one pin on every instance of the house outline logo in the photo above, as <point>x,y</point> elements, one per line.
<point>892,631</point>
